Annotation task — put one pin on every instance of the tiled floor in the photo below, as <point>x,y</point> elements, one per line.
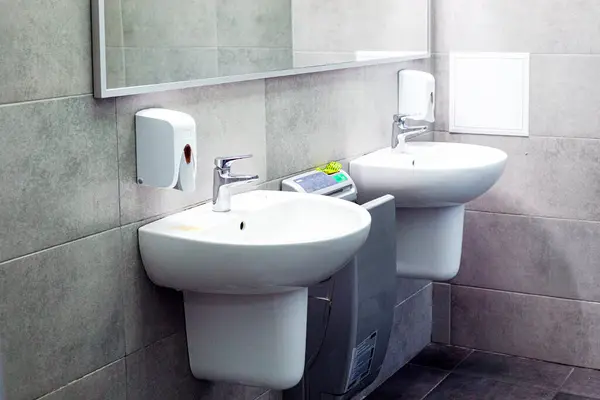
<point>452,373</point>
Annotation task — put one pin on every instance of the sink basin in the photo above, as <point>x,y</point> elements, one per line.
<point>269,242</point>
<point>431,182</point>
<point>429,174</point>
<point>245,274</point>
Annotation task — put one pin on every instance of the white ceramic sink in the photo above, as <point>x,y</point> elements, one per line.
<point>429,174</point>
<point>431,183</point>
<point>270,241</point>
<point>245,275</point>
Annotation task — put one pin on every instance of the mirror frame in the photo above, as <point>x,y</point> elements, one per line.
<point>101,90</point>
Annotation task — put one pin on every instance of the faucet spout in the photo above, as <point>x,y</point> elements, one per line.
<point>223,180</point>
<point>401,129</point>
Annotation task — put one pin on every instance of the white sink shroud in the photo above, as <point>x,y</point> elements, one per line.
<point>431,182</point>
<point>245,276</point>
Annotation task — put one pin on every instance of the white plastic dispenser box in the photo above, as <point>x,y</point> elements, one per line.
<point>166,149</point>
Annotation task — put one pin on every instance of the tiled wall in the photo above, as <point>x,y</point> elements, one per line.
<point>78,317</point>
<point>529,282</point>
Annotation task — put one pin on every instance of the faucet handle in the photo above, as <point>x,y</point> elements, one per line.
<point>225,162</point>
<point>400,118</point>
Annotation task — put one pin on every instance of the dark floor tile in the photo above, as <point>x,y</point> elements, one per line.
<point>583,382</point>
<point>566,396</point>
<point>410,383</point>
<point>465,387</point>
<point>441,356</point>
<point>522,371</point>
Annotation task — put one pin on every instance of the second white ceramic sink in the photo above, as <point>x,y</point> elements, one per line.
<point>432,182</point>
<point>429,174</point>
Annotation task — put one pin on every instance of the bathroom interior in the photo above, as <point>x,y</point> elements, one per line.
<point>299,200</point>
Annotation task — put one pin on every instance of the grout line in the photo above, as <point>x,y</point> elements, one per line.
<point>534,216</point>
<point>413,295</point>
<point>463,360</point>
<point>522,357</point>
<point>46,100</point>
<point>567,378</point>
<point>146,346</point>
<point>436,385</point>
<point>55,246</point>
<point>81,378</point>
<point>527,294</point>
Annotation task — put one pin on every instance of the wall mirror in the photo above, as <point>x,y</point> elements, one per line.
<point>143,46</point>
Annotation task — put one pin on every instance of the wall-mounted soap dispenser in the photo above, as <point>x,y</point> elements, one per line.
<point>416,102</point>
<point>166,149</point>
<point>416,95</point>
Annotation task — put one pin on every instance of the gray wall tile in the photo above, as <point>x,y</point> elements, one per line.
<point>510,25</point>
<point>544,328</point>
<point>230,120</point>
<point>259,23</point>
<point>161,371</point>
<point>46,50</point>
<point>312,119</point>
<point>411,331</point>
<point>107,383</point>
<point>58,173</point>
<point>549,177</point>
<point>410,334</point>
<point>148,65</point>
<point>151,312</point>
<point>61,313</point>
<point>533,255</point>
<point>563,100</point>
<point>441,313</point>
<point>247,60</point>
<point>176,23</point>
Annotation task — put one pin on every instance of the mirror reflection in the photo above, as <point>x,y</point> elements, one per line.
<point>156,41</point>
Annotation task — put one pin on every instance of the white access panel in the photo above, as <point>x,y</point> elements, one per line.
<point>489,93</point>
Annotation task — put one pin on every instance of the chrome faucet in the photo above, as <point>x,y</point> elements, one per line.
<point>223,179</point>
<point>401,130</point>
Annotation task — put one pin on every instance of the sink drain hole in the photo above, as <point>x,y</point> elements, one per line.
<point>242,226</point>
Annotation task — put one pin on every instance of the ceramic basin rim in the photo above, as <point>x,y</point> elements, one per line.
<point>363,218</point>
<point>330,239</point>
<point>496,157</point>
